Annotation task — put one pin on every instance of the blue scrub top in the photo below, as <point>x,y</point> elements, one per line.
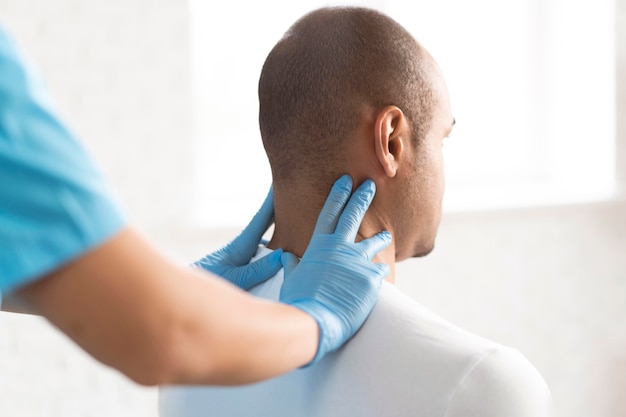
<point>54,204</point>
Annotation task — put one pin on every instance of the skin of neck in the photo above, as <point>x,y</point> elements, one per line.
<point>296,213</point>
<point>297,206</point>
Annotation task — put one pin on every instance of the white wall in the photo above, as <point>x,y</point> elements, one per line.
<point>120,73</point>
<point>550,281</point>
<point>620,55</point>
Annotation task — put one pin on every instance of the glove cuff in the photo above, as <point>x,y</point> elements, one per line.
<point>329,327</point>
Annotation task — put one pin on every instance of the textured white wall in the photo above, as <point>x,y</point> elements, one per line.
<point>120,73</point>
<point>550,281</point>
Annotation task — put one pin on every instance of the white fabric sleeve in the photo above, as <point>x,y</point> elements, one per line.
<point>502,383</point>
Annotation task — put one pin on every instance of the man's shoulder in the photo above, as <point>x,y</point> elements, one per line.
<point>423,361</point>
<point>502,382</point>
<point>405,321</point>
<point>405,361</point>
<point>477,376</point>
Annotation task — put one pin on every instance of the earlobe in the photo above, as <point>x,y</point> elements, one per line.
<point>389,139</point>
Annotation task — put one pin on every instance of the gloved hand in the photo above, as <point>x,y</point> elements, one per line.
<point>336,282</point>
<point>231,261</point>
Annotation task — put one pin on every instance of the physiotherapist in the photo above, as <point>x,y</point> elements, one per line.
<point>68,254</point>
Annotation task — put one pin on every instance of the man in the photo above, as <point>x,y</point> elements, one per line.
<point>349,90</point>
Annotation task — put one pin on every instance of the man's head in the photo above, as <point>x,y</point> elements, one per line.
<point>348,90</point>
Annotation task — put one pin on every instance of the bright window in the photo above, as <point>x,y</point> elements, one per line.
<point>531,81</point>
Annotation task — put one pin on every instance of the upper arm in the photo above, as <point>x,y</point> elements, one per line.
<point>503,383</point>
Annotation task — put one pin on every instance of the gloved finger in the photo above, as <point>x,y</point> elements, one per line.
<point>212,264</point>
<point>289,261</point>
<point>353,214</point>
<point>383,272</point>
<point>339,194</point>
<point>374,245</point>
<point>244,246</point>
<point>261,270</point>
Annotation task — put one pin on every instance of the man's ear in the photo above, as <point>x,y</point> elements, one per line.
<point>389,137</point>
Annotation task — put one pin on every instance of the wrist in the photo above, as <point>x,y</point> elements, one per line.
<point>309,334</point>
<point>329,329</point>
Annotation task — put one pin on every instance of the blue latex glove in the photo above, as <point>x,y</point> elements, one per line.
<point>231,261</point>
<point>336,282</point>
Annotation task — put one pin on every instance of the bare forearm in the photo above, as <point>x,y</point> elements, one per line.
<point>157,323</point>
<point>262,340</point>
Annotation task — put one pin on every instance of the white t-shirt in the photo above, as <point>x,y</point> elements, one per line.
<point>405,361</point>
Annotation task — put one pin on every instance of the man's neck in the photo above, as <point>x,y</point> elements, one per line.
<point>296,214</point>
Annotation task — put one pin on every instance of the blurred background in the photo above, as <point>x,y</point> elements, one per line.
<point>532,247</point>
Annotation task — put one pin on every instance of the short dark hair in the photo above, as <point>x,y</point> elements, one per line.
<point>321,73</point>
